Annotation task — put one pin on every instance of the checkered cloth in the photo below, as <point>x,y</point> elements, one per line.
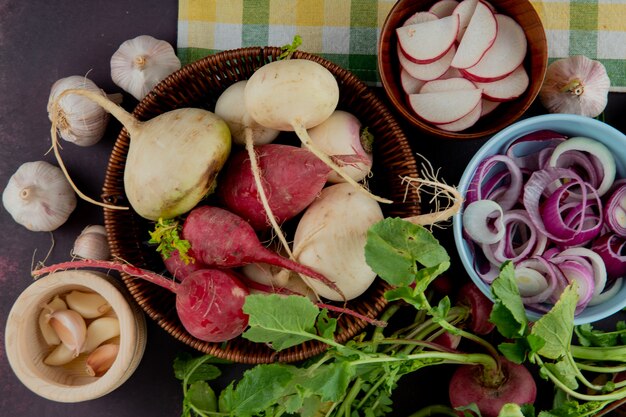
<point>346,31</point>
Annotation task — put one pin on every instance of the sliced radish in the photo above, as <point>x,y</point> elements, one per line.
<point>451,73</point>
<point>479,36</point>
<point>426,72</point>
<point>410,84</point>
<point>464,122</point>
<point>504,56</point>
<point>464,10</point>
<point>448,84</point>
<point>443,8</point>
<point>508,88</point>
<point>445,106</point>
<point>488,106</point>
<point>420,17</point>
<point>426,42</point>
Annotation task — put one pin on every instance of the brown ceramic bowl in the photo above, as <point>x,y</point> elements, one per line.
<point>507,112</point>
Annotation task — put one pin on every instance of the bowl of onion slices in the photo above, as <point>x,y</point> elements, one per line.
<point>548,194</point>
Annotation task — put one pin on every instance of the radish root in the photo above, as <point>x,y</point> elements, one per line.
<point>438,190</point>
<point>57,118</point>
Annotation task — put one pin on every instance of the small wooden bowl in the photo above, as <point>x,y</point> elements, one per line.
<point>26,348</point>
<point>506,113</point>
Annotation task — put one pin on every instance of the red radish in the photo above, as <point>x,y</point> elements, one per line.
<point>443,8</point>
<point>445,106</point>
<point>222,239</point>
<point>448,340</point>
<point>209,302</point>
<point>504,56</point>
<point>426,72</point>
<point>420,17</point>
<point>469,384</point>
<point>464,122</point>
<point>478,38</point>
<point>508,88</point>
<point>410,84</point>
<point>292,178</point>
<point>480,306</point>
<point>488,106</point>
<point>180,269</point>
<point>428,41</point>
<point>464,10</point>
<point>447,84</point>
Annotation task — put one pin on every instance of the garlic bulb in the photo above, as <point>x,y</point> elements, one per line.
<point>141,63</point>
<point>81,121</point>
<point>576,85</point>
<point>92,243</point>
<point>39,197</point>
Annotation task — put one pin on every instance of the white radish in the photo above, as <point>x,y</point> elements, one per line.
<point>504,56</point>
<point>428,41</point>
<point>295,95</point>
<point>443,8</point>
<point>445,106</point>
<point>276,277</point>
<point>430,71</point>
<point>478,38</point>
<point>172,160</point>
<point>331,237</point>
<point>509,88</point>
<point>342,135</point>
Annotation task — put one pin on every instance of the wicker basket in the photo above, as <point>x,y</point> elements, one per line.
<point>199,85</point>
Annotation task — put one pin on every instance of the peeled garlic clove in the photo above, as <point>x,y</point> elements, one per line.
<point>92,243</point>
<point>575,85</point>
<point>49,335</point>
<point>100,360</point>
<point>88,304</point>
<point>61,355</point>
<point>71,329</point>
<point>39,197</point>
<point>80,120</point>
<point>141,63</point>
<point>99,331</point>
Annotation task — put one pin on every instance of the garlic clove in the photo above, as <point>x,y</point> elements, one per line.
<point>88,304</point>
<point>99,331</point>
<point>575,85</point>
<point>141,63</point>
<point>49,335</point>
<point>60,355</point>
<point>92,243</point>
<point>100,360</point>
<point>39,197</point>
<point>81,121</point>
<point>71,329</point>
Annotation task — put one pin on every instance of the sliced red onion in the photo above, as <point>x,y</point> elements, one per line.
<point>595,148</point>
<point>582,164</point>
<point>516,223</point>
<point>583,275</point>
<point>536,279</point>
<point>615,211</point>
<point>608,293</point>
<point>524,151</point>
<point>485,170</point>
<point>612,250</point>
<point>482,221</point>
<point>597,266</point>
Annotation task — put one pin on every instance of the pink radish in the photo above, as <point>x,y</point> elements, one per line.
<point>478,38</point>
<point>508,88</point>
<point>445,106</point>
<point>222,239</point>
<point>443,8</point>
<point>426,42</point>
<point>292,178</point>
<point>464,10</point>
<point>447,84</point>
<point>480,308</point>
<point>504,56</point>
<point>410,84</point>
<point>420,17</point>
<point>209,302</point>
<point>464,122</point>
<point>469,384</point>
<point>429,71</point>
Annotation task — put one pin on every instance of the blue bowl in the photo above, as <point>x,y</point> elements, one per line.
<point>567,124</point>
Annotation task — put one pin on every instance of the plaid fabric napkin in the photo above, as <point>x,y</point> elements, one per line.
<point>346,31</point>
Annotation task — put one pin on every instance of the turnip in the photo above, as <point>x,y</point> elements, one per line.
<point>292,177</point>
<point>172,160</point>
<point>296,95</point>
<point>331,237</point>
<point>222,239</point>
<point>342,134</point>
<point>209,302</point>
